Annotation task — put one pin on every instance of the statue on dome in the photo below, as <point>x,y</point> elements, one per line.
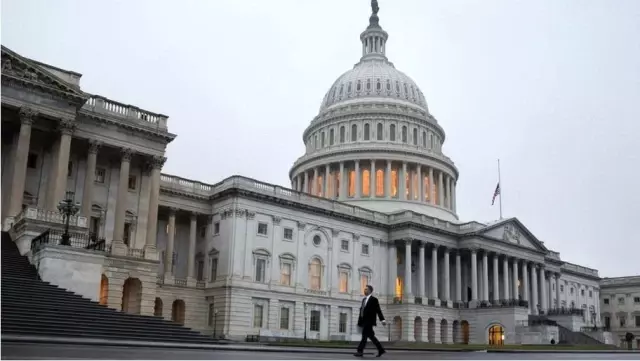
<point>374,7</point>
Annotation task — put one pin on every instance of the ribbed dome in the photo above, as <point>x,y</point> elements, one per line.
<point>374,78</point>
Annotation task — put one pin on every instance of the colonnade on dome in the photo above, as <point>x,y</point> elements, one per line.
<point>379,179</point>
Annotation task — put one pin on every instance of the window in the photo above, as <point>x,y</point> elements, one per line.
<point>344,281</point>
<point>621,300</point>
<point>315,274</point>
<point>392,132</point>
<point>314,321</point>
<point>342,134</point>
<point>257,316</point>
<point>379,132</point>
<point>288,234</point>
<point>284,318</point>
<point>352,183</point>
<point>203,232</point>
<point>100,175</point>
<point>316,240</point>
<point>32,161</point>
<point>366,131</point>
<point>200,271</point>
<point>404,134</point>
<point>606,301</point>
<point>415,136</point>
<point>69,169</point>
<point>285,274</point>
<point>344,245</point>
<point>365,279</point>
<point>132,182</point>
<point>571,290</point>
<point>342,323</point>
<point>553,287</point>
<point>262,229</point>
<point>581,292</point>
<point>331,135</point>
<point>212,314</point>
<point>590,293</point>
<point>623,321</point>
<point>359,85</point>
<point>561,288</point>
<point>366,182</point>
<point>637,321</point>
<point>322,140</point>
<point>365,249</point>
<point>261,266</point>
<point>424,139</point>
<point>354,133</point>
<point>213,269</point>
<point>379,183</point>
<point>636,300</point>
<point>607,322</point>
<point>126,236</point>
<point>216,228</point>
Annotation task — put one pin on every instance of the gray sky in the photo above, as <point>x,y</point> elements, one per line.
<point>550,87</point>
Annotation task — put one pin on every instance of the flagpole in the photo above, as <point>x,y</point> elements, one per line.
<point>500,185</point>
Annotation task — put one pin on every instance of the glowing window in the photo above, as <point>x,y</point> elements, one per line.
<point>315,274</point>
<point>399,286</point>
<point>319,185</point>
<point>379,183</point>
<point>352,183</point>
<point>394,183</point>
<point>427,193</point>
<point>366,185</point>
<point>415,185</point>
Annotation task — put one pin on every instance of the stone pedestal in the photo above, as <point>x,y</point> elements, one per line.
<point>151,252</point>
<point>118,248</point>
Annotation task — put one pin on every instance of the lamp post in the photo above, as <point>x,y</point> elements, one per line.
<point>215,321</point>
<point>68,209</point>
<point>305,322</point>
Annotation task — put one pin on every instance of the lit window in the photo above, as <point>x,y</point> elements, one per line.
<point>407,184</point>
<point>315,274</point>
<point>394,183</point>
<point>365,279</point>
<point>285,274</point>
<point>344,281</point>
<point>352,183</point>
<point>399,286</point>
<point>379,183</point>
<point>415,185</point>
<point>366,185</point>
<point>319,186</point>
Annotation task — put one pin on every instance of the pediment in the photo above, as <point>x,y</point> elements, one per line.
<point>28,72</point>
<point>512,231</point>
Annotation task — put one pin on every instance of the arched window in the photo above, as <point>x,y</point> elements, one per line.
<point>379,183</point>
<point>322,140</point>
<point>342,134</point>
<point>406,91</point>
<point>404,134</point>
<point>397,87</point>
<point>415,136</point>
<point>354,132</point>
<point>315,274</point>
<point>315,141</point>
<point>378,85</point>
<point>379,131</point>
<point>424,139</point>
<point>368,84</point>
<point>359,86</point>
<point>352,184</point>
<point>392,132</point>
<point>394,183</point>
<point>331,136</point>
<point>388,84</point>
<point>366,183</point>
<point>366,131</point>
<point>349,88</point>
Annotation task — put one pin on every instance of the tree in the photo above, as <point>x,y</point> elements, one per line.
<point>629,338</point>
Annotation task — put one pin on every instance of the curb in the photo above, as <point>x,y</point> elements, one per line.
<point>388,348</point>
<point>564,351</point>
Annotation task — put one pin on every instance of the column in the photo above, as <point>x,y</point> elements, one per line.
<point>534,288</point>
<point>421,270</point>
<point>193,228</point>
<point>393,268</point>
<point>358,180</point>
<point>420,184</point>
<point>485,276</point>
<point>89,178</point>
<point>543,289</point>
<point>516,291</point>
<point>327,179</point>
<point>154,195</point>
<point>372,179</point>
<point>458,277</point>
<point>440,189</point>
<point>474,275</point>
<point>453,195</point>
<point>387,181</point>
<point>20,158</point>
<point>402,182</point>
<point>448,182</point>
<point>59,168</point>
<point>341,182</point>
<point>434,272</point>
<point>314,182</point>
<point>121,201</point>
<point>558,302</point>
<point>525,281</point>
<point>496,278</point>
<point>447,280</point>
<point>505,278</point>
<point>407,269</point>
<point>432,199</point>
<point>168,254</point>
<point>552,287</point>
<point>306,182</point>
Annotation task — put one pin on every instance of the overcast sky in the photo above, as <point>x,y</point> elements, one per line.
<point>552,88</point>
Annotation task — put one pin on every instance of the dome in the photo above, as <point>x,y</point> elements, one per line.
<point>374,79</point>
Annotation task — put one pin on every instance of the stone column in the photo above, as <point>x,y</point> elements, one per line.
<point>449,202</point>
<point>314,183</point>
<point>534,289</point>
<point>341,184</point>
<point>193,230</point>
<point>440,189</point>
<point>154,195</point>
<point>558,302</point>
<point>485,276</point>
<point>474,275</point>
<point>505,278</point>
<point>168,254</point>
<point>421,270</point>
<point>543,289</point>
<point>458,277</point>
<point>407,269</point>
<point>123,189</point>
<point>402,182</point>
<point>59,168</point>
<point>432,199</point>
<point>372,179</point>
<point>387,181</point>
<point>453,195</point>
<point>516,291</point>
<point>496,278</point>
<point>434,272</point>
<point>420,183</point>
<point>20,158</point>
<point>358,180</point>
<point>306,188</point>
<point>525,281</point>
<point>89,178</point>
<point>447,279</point>
<point>327,179</point>
<point>393,268</point>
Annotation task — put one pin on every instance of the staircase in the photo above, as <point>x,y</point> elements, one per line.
<point>32,307</point>
<point>566,335</point>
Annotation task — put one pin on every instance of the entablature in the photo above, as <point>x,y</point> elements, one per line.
<point>502,248</point>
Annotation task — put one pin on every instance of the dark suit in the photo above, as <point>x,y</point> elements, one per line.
<point>367,320</point>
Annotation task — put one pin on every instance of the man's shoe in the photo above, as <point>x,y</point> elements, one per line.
<point>358,354</point>
<point>380,353</point>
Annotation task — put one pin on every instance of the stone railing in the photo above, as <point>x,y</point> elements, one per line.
<point>185,185</point>
<point>579,269</point>
<point>102,105</point>
<point>136,253</point>
<point>43,215</point>
<point>554,255</point>
<point>620,281</point>
<point>180,282</point>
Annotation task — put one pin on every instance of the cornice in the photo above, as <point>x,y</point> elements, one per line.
<point>148,131</point>
<point>44,90</point>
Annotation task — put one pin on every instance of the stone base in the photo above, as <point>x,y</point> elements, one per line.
<point>7,223</point>
<point>151,252</point>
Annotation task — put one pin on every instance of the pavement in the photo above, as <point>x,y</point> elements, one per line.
<point>41,351</point>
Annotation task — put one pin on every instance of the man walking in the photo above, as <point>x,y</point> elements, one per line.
<point>369,309</point>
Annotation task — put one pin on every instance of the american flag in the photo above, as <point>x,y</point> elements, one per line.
<point>496,193</point>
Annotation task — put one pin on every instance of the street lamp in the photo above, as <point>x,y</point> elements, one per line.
<point>305,322</point>
<point>68,209</point>
<point>215,321</point>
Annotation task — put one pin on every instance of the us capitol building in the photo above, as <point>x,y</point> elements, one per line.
<point>372,201</point>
